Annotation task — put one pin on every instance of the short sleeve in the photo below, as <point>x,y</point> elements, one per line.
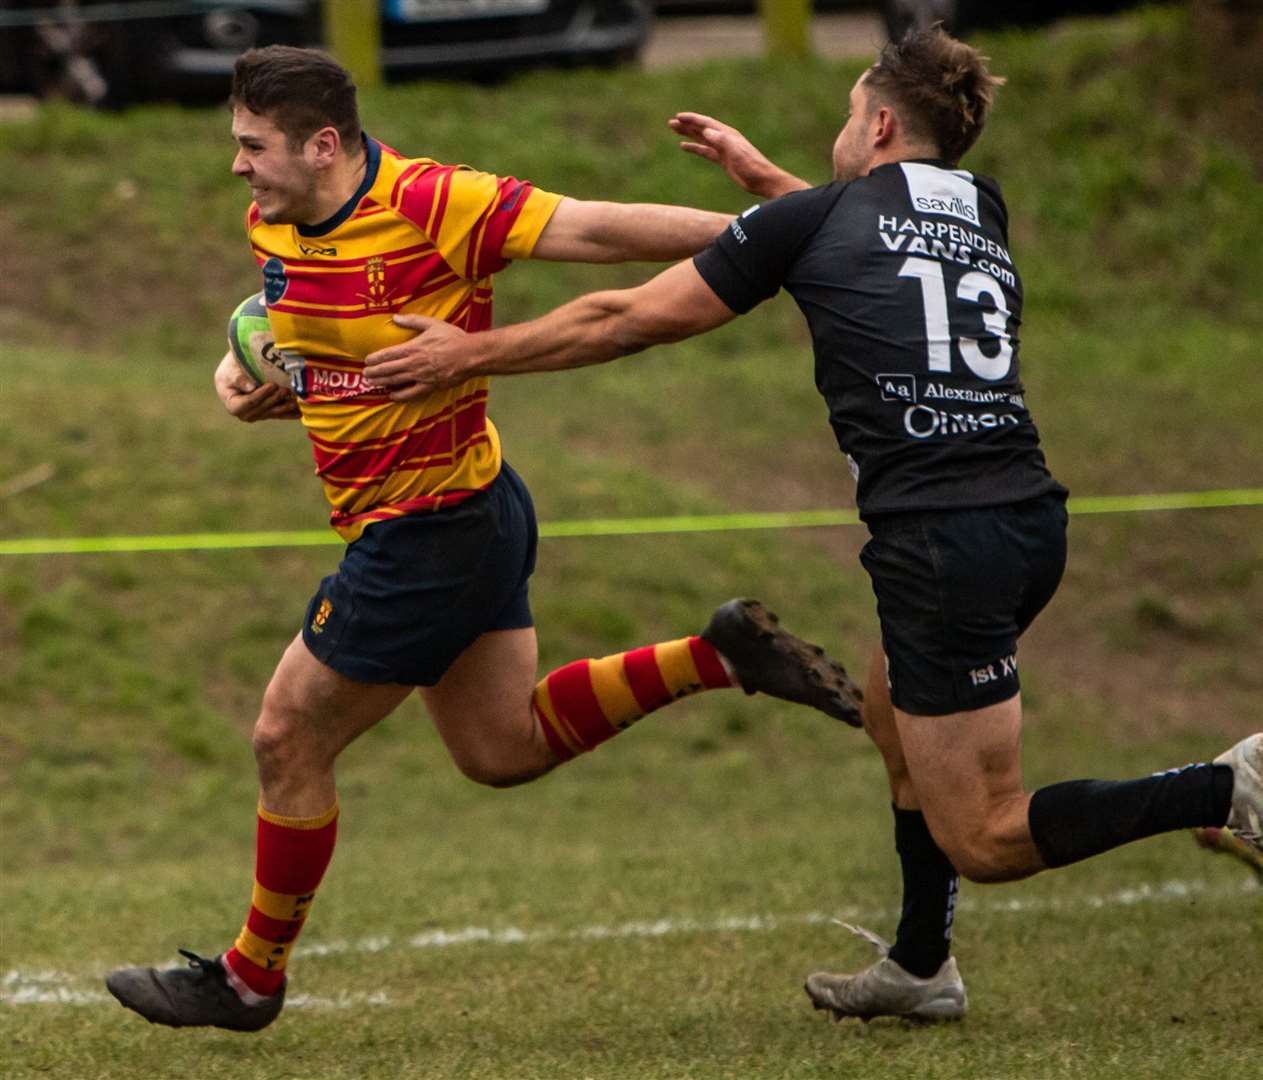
<point>478,221</point>
<point>749,261</point>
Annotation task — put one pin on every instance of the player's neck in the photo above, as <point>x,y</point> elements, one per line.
<point>904,151</point>
<point>338,185</point>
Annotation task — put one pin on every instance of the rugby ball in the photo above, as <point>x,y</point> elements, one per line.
<point>254,347</point>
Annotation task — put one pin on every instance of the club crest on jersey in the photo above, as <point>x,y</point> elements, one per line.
<point>275,280</point>
<point>375,298</point>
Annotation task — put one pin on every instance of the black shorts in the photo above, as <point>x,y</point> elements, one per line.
<point>411,594</point>
<point>955,589</point>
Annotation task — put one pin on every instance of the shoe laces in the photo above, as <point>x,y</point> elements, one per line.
<point>199,962</point>
<point>879,943</point>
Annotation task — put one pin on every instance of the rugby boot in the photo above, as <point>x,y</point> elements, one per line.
<point>768,659</point>
<point>1245,819</point>
<point>193,996</point>
<point>1223,841</point>
<point>886,989</point>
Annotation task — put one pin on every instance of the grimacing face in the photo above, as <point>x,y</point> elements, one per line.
<point>853,148</point>
<point>282,181</point>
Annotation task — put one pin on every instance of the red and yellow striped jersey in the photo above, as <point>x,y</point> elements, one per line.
<point>417,237</point>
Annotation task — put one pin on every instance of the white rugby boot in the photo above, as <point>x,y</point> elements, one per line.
<point>886,989</point>
<point>1245,819</point>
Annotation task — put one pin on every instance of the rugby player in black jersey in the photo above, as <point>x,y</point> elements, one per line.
<point>902,269</point>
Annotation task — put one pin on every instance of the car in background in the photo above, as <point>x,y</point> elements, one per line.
<point>184,50</point>
<point>958,16</point>
<point>965,16</point>
<point>746,7</point>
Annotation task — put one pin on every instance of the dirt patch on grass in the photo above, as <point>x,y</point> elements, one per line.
<point>1231,40</point>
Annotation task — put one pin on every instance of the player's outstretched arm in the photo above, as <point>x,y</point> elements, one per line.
<point>591,330</point>
<point>250,402</point>
<point>724,145</point>
<point>606,232</point>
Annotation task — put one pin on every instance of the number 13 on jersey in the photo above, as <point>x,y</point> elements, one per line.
<point>971,288</point>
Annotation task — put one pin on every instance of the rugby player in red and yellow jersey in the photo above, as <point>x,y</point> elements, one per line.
<point>432,590</point>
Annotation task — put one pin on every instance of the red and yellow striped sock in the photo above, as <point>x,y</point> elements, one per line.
<point>291,855</point>
<point>586,702</point>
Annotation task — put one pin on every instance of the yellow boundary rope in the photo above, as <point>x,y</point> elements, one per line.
<point>1092,504</point>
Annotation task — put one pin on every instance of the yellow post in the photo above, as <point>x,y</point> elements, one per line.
<point>352,32</point>
<point>786,27</point>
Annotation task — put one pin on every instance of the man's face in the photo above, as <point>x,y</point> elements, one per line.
<point>853,149</point>
<point>282,181</point>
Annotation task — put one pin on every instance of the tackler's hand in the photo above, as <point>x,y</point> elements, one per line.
<point>724,145</point>
<point>438,357</point>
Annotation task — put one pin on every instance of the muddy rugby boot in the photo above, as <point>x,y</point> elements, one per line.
<point>1221,840</point>
<point>193,996</point>
<point>886,989</point>
<point>768,659</point>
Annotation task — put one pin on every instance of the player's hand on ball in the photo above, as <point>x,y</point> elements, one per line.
<point>265,402</point>
<point>250,401</point>
<point>438,357</point>
<point>734,153</point>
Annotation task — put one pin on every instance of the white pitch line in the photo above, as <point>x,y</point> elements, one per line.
<point>56,988</point>
<point>19,987</point>
<point>1165,892</point>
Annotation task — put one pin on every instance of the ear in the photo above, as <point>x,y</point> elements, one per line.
<point>322,148</point>
<point>884,128</point>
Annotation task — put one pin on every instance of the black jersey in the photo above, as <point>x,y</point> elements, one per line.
<point>914,305</point>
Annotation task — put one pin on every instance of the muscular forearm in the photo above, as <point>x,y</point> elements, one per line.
<point>779,182</point>
<point>601,326</point>
<point>591,330</point>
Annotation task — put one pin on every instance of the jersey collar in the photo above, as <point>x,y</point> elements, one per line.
<point>938,163</point>
<point>373,159</point>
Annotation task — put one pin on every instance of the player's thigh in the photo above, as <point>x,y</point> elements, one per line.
<point>966,767</point>
<point>482,705</point>
<point>310,704</point>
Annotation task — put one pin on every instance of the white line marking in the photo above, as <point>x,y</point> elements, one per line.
<point>19,987</point>
<point>50,988</point>
<point>1165,892</point>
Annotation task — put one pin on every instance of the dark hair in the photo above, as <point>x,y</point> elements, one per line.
<point>939,87</point>
<point>300,90</point>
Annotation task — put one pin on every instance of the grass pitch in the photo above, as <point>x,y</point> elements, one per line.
<point>650,911</point>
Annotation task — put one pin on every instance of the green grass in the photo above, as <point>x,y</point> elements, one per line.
<point>131,681</point>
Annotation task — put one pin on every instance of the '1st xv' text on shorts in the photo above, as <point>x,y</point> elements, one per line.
<point>412,593</point>
<point>955,589</point>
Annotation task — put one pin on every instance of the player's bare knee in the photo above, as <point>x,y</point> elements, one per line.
<point>279,742</point>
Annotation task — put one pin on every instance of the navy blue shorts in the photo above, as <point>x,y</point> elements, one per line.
<point>955,589</point>
<point>413,593</point>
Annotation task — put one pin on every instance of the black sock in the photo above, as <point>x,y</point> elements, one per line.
<point>1080,818</point>
<point>924,937</point>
